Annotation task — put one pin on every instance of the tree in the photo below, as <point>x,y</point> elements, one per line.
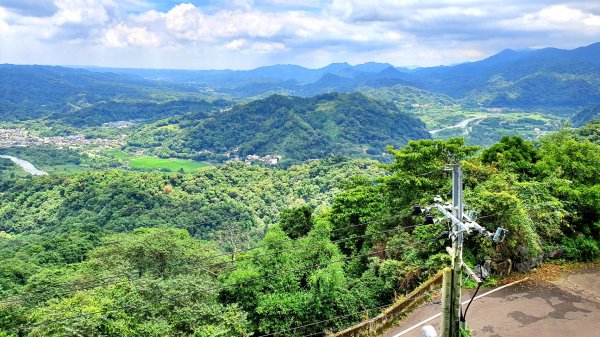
<point>512,153</point>
<point>296,221</point>
<point>171,290</point>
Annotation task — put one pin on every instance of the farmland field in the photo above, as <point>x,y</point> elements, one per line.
<point>150,163</point>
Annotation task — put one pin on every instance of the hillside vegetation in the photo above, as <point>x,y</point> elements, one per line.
<point>79,97</point>
<point>587,115</point>
<point>296,128</point>
<point>547,78</point>
<point>241,250</point>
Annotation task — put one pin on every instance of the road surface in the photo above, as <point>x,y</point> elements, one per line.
<point>568,305</point>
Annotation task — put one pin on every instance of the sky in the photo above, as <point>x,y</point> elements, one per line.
<point>245,34</point>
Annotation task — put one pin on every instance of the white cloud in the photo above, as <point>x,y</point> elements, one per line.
<point>309,32</point>
<point>556,18</point>
<point>83,12</point>
<point>236,44</point>
<point>185,21</point>
<point>267,47</point>
<point>124,36</point>
<point>294,3</point>
<point>3,24</point>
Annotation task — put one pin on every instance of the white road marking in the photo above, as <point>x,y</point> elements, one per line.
<point>463,303</point>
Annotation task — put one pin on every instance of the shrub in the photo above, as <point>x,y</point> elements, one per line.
<point>581,249</point>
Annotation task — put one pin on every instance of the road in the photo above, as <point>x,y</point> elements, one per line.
<point>568,305</point>
<point>25,165</point>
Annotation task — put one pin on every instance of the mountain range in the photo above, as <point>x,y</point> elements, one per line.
<point>297,128</point>
<point>544,78</point>
<point>295,111</point>
<point>548,77</point>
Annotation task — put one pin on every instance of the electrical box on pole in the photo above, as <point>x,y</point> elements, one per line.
<point>452,321</point>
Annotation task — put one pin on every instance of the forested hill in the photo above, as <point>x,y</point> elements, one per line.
<point>239,250</point>
<point>587,115</point>
<point>296,128</point>
<point>30,92</point>
<point>546,77</point>
<point>543,78</point>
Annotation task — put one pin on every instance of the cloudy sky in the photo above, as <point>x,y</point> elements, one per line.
<point>243,34</point>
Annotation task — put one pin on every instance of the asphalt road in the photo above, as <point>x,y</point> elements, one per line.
<point>567,306</point>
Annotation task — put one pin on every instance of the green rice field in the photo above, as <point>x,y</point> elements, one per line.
<point>150,163</point>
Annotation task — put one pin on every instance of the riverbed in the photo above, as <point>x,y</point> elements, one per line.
<point>461,125</point>
<point>25,165</point>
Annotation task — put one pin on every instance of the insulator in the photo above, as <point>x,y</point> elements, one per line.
<point>500,235</point>
<point>417,210</point>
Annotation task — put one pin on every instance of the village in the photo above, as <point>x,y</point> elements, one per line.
<point>22,138</point>
<point>268,159</point>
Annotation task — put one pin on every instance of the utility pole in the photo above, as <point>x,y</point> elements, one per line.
<point>451,320</point>
<point>457,248</point>
<point>452,283</point>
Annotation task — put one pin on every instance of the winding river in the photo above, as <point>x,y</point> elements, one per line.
<point>25,165</point>
<point>461,125</point>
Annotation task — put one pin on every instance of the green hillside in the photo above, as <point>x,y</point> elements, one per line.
<point>296,128</point>
<point>80,97</point>
<point>587,115</point>
<point>240,250</point>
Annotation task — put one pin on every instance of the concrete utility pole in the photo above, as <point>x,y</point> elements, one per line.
<point>452,284</point>
<point>457,248</point>
<point>451,320</point>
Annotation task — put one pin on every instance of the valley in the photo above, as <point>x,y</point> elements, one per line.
<point>246,203</point>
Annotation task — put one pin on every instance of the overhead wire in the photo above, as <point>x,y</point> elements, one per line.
<point>324,321</point>
<point>279,241</point>
<point>214,221</point>
<point>219,263</point>
<point>94,284</point>
<point>227,285</point>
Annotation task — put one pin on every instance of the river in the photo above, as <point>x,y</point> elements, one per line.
<point>461,125</point>
<point>25,165</point>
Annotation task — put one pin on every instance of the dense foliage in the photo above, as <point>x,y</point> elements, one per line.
<point>587,115</point>
<point>241,250</point>
<point>296,128</point>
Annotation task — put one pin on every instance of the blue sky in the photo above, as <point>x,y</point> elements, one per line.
<point>244,34</point>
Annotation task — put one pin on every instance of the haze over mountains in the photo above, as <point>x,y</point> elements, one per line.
<point>526,78</point>
<point>559,82</point>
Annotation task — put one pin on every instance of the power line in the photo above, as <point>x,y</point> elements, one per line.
<point>94,283</point>
<point>324,321</point>
<point>221,287</point>
<point>429,173</point>
<point>315,245</point>
<point>215,221</point>
<point>133,272</point>
<point>316,232</point>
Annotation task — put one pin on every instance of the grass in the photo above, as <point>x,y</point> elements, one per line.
<point>117,154</point>
<point>150,163</point>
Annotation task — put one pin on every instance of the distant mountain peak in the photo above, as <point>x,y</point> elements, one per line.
<point>505,55</point>
<point>336,66</point>
<point>372,67</point>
